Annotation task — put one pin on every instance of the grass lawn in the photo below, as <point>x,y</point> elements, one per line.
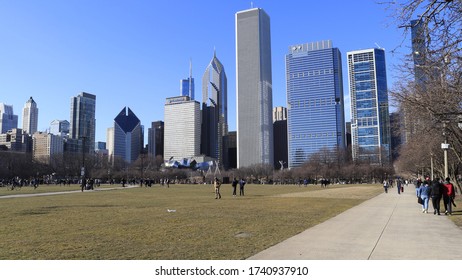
<point>136,224</point>
<point>457,211</point>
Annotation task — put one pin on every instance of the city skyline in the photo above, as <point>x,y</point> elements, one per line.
<point>53,51</point>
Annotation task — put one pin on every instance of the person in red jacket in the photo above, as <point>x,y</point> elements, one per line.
<point>448,196</point>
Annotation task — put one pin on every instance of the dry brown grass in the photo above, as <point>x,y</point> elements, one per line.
<point>135,223</point>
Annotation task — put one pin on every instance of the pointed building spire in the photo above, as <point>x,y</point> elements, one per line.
<point>190,78</point>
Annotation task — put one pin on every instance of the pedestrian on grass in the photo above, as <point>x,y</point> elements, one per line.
<point>217,185</point>
<point>436,194</point>
<point>448,196</point>
<point>241,187</point>
<point>424,193</point>
<point>234,185</point>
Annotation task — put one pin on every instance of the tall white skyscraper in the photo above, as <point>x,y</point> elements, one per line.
<point>30,117</point>
<point>254,88</point>
<point>182,128</point>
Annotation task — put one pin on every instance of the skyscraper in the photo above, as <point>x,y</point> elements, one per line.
<point>182,132</point>
<point>214,111</point>
<point>83,122</point>
<point>419,50</point>
<point>60,127</point>
<point>370,124</point>
<point>315,101</point>
<point>30,117</point>
<point>254,88</point>
<point>280,136</point>
<point>127,140</point>
<point>156,139</point>
<point>46,145</point>
<point>187,85</point>
<point>8,120</point>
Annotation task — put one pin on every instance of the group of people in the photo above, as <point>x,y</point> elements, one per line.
<point>234,183</point>
<point>399,185</point>
<point>436,190</point>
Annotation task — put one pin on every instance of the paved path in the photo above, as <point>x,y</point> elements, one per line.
<point>386,227</point>
<point>67,192</point>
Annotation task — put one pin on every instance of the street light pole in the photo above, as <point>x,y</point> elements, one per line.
<point>445,147</point>
<point>431,165</point>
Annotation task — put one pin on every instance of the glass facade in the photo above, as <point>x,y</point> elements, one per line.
<point>156,139</point>
<point>127,136</point>
<point>370,125</point>
<point>214,111</point>
<point>315,101</point>
<point>187,87</point>
<point>83,121</point>
<point>8,120</point>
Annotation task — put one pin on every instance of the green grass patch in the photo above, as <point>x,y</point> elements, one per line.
<point>136,223</point>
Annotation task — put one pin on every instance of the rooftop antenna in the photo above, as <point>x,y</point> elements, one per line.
<point>378,46</point>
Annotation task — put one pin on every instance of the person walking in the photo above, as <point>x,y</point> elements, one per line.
<point>241,187</point>
<point>385,185</point>
<point>448,196</point>
<point>436,194</point>
<point>234,185</point>
<point>424,193</point>
<point>398,185</point>
<point>217,185</point>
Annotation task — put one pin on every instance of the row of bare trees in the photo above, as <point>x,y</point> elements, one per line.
<point>428,93</point>
<point>331,165</point>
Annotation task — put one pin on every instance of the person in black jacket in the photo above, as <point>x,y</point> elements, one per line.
<point>234,184</point>
<point>436,193</point>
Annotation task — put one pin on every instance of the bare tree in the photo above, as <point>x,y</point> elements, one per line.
<point>429,91</point>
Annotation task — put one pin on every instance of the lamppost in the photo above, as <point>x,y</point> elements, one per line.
<point>431,166</point>
<point>82,170</point>
<point>445,147</point>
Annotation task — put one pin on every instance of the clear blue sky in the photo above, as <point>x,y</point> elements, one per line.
<point>134,53</point>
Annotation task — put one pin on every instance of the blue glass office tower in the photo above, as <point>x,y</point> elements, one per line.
<point>370,123</point>
<point>315,115</point>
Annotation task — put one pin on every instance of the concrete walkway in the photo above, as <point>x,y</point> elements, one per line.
<point>386,227</point>
<point>67,192</point>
